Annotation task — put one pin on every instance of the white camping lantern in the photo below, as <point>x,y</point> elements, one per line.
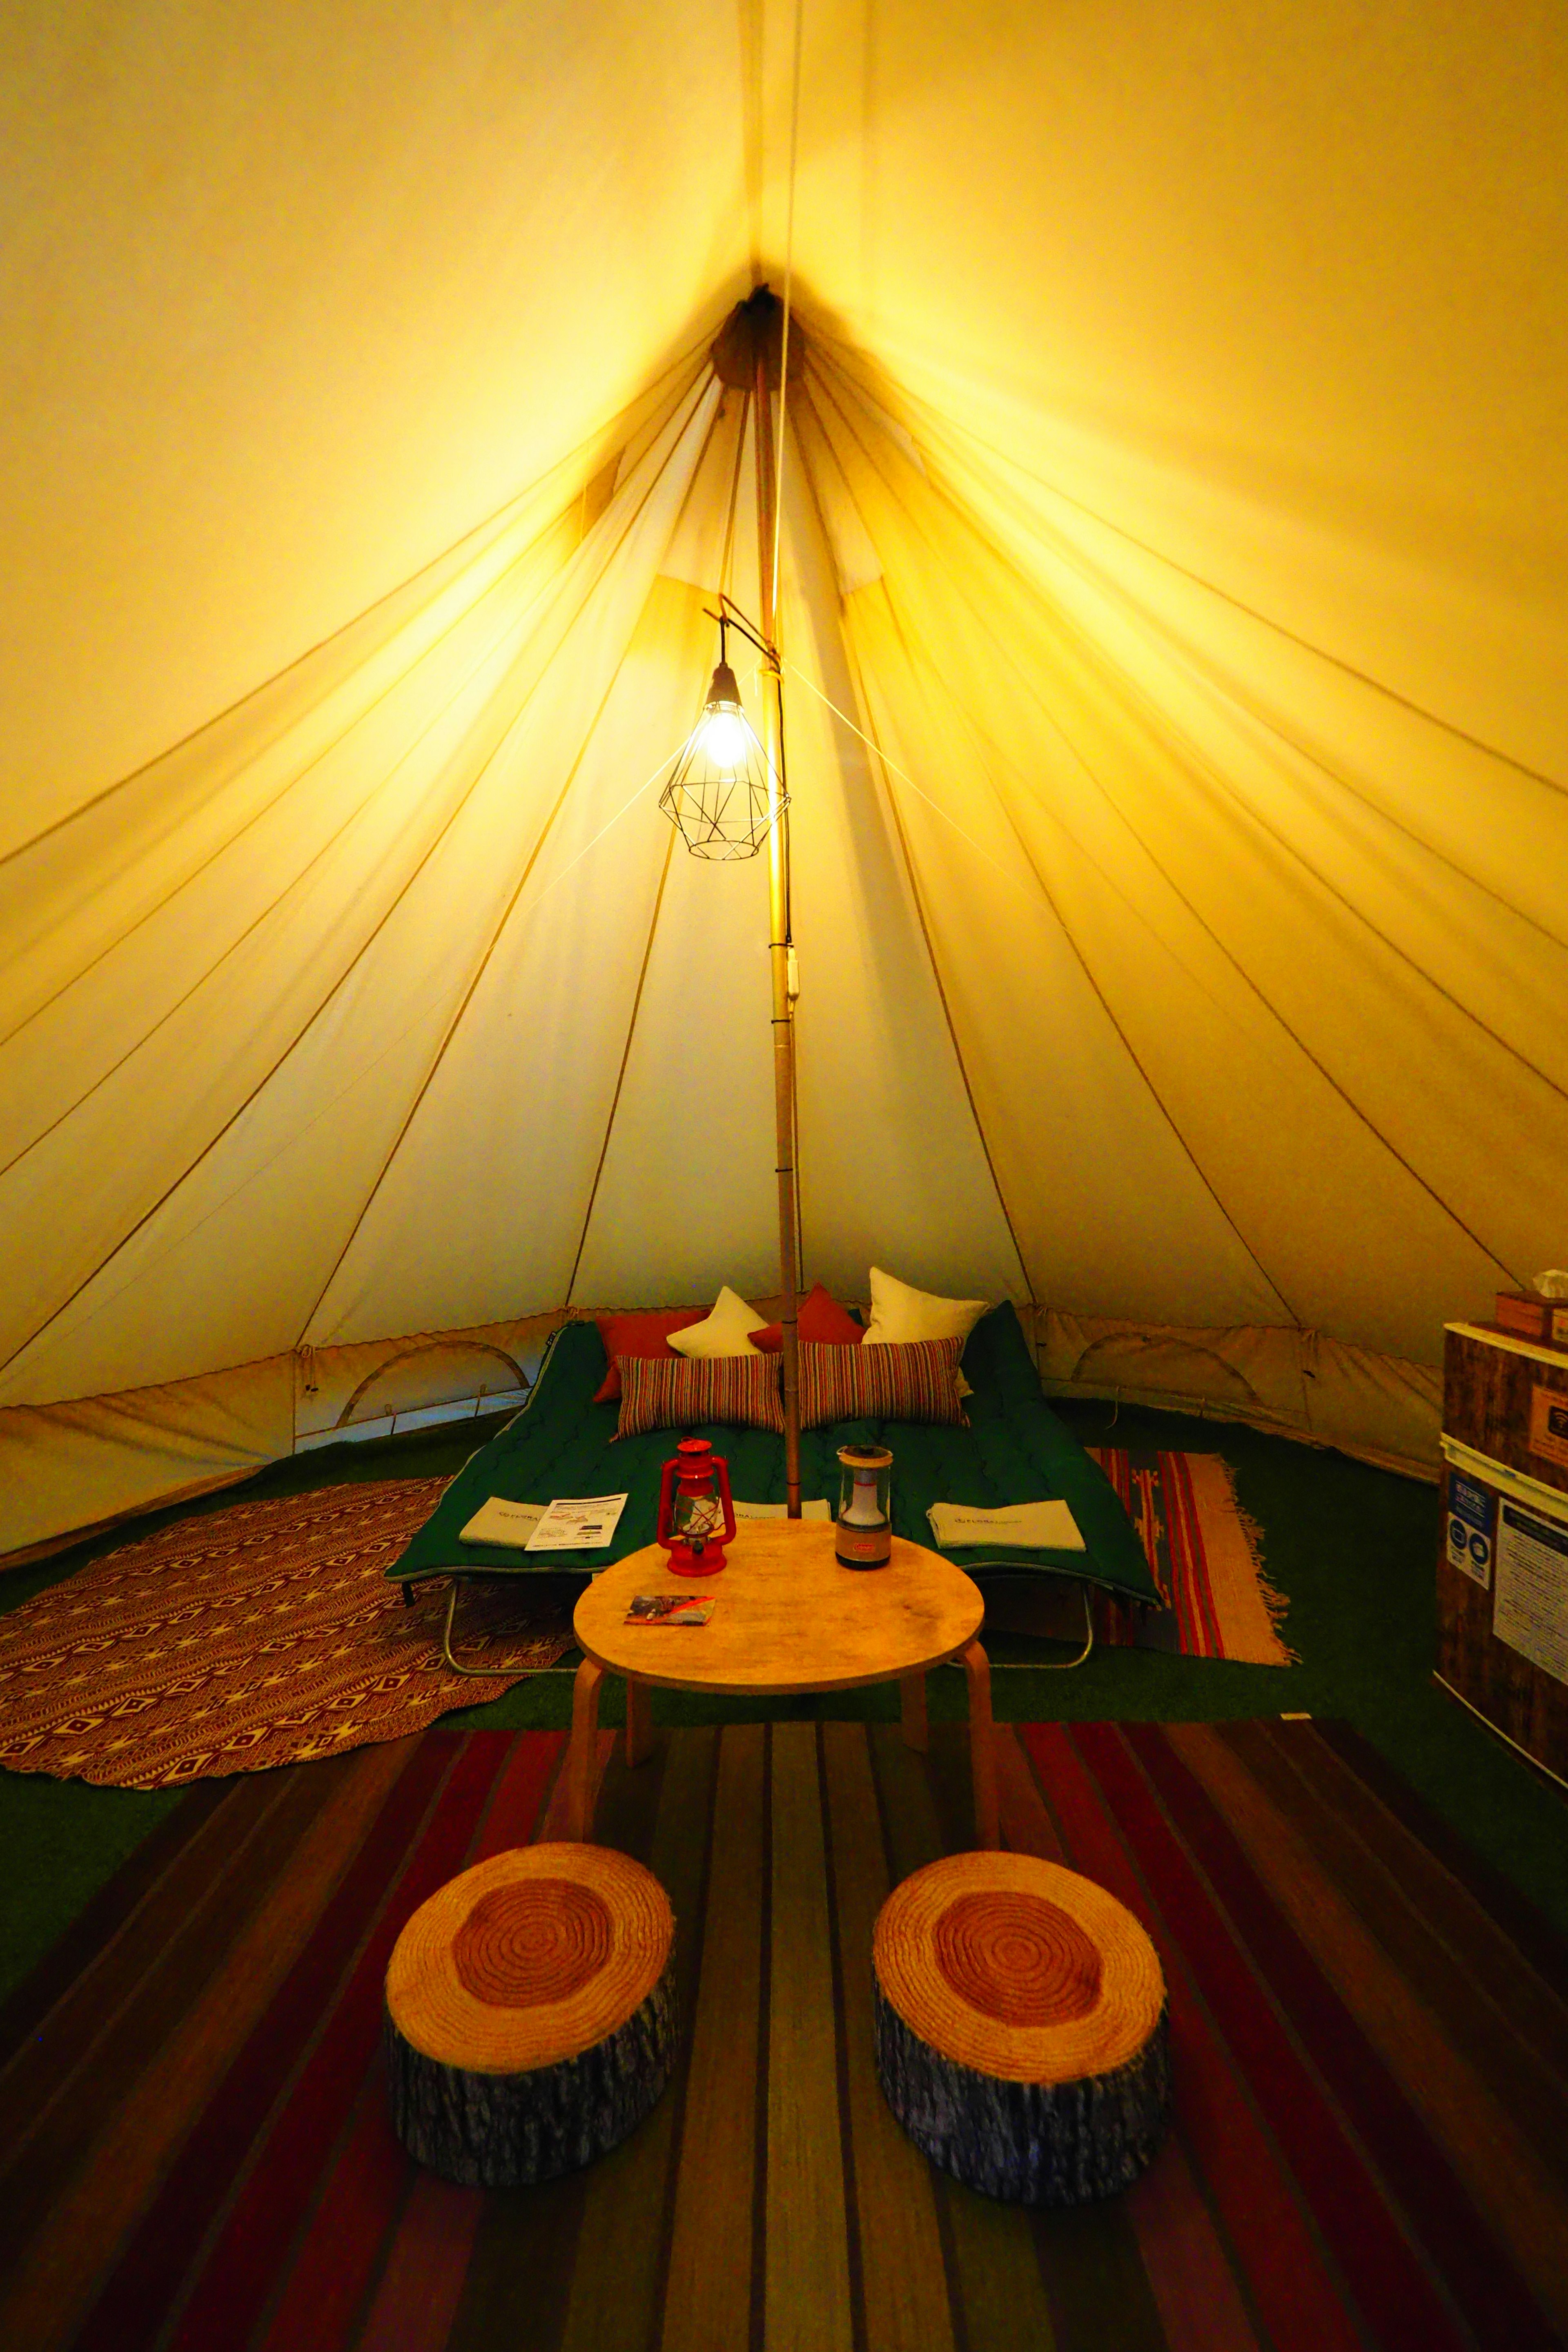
<point>864,1512</point>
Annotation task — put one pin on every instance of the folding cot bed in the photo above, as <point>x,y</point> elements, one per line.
<point>1015,1450</point>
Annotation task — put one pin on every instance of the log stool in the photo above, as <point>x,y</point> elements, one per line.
<point>1020,2028</point>
<point>530,2014</point>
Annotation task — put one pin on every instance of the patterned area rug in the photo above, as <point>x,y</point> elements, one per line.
<point>258,1635</point>
<point>1369,2037</point>
<point>1206,1556</point>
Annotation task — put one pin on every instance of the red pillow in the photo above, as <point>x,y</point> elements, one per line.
<point>647,1334</point>
<point>823,1322</point>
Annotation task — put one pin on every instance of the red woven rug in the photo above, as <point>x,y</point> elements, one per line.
<point>262,1634</point>
<point>1203,1553</point>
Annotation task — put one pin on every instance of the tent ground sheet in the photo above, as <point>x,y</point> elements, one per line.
<point>1369,2037</point>
<point>1015,1449</point>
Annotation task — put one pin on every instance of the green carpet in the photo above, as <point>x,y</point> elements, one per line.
<point>1353,1547</point>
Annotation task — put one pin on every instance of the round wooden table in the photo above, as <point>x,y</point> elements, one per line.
<point>787,1617</point>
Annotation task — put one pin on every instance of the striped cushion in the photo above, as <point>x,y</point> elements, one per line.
<point>914,1381</point>
<point>681,1392</point>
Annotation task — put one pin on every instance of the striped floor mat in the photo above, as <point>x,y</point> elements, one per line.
<point>1370,2041</point>
<point>1203,1553</point>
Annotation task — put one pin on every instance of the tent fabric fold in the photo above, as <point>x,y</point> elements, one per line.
<point>1172,593</point>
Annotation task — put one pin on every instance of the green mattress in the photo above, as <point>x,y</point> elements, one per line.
<point>1015,1451</point>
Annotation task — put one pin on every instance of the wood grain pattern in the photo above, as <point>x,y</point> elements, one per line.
<point>708,2298</point>
<point>990,2248</point>
<point>787,1617</point>
<point>1017,1968</point>
<point>531,2014</point>
<point>133,2140</point>
<point>806,2292</point>
<point>582,1756</point>
<point>1487,1384</point>
<point>903,2282</point>
<point>527,1958</point>
<point>982,1745</point>
<point>1501,2172</point>
<point>1367,2025</point>
<point>616,2298</point>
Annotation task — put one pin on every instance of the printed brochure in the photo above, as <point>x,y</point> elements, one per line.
<point>670,1609</point>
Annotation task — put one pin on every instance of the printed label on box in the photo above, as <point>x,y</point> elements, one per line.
<point>1531,1611</point>
<point>1549,1424</point>
<point>1472,1524</point>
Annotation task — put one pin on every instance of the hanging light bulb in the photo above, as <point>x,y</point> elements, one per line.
<point>719,796</point>
<point>722,734</point>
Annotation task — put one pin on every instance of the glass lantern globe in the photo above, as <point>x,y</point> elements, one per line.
<point>865,1529</point>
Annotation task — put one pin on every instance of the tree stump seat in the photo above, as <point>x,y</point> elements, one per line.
<point>1021,2032</point>
<point>530,2014</point>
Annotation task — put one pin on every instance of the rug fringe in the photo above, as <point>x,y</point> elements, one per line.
<point>1276,1603</point>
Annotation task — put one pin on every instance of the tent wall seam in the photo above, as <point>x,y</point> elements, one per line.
<point>837,354</point>
<point>498,519</point>
<point>1155,1095</point>
<point>1079,956</point>
<point>511,908</point>
<point>621,1073</point>
<point>1174,648</point>
<point>852,659</point>
<point>298,777</point>
<point>917,897</point>
<point>1247,982</point>
<point>745,405</point>
<point>1223,688</point>
<point>788,294</point>
<point>471,985</point>
<point>1229,957</point>
<point>315,1015</point>
<point>296,881</point>
<point>1203,771</point>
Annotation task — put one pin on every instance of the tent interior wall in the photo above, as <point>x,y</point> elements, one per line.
<point>1172,600</point>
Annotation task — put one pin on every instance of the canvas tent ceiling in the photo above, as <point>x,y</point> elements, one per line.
<point>1174,498</point>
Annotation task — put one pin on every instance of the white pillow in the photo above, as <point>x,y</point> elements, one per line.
<point>726,1332</point>
<point>900,1314</point>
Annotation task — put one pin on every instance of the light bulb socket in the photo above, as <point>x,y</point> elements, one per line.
<point>725,688</point>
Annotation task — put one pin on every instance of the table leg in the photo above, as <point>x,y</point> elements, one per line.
<point>912,1700</point>
<point>584,1753</point>
<point>639,1722</point>
<point>982,1746</point>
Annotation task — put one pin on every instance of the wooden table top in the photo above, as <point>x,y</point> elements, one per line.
<point>787,1616</point>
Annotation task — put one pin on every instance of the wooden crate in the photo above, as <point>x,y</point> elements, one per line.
<point>1527,1317</point>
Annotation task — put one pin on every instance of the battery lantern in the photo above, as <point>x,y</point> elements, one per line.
<point>864,1537</point>
<point>696,1512</point>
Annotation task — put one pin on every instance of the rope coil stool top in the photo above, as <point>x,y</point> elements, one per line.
<point>1018,1968</point>
<point>529,1958</point>
<point>1020,2028</point>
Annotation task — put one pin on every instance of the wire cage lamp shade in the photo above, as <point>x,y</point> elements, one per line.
<point>718,798</point>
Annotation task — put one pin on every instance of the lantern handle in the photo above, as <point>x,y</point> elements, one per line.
<point>666,1534</point>
<point>722,1469</point>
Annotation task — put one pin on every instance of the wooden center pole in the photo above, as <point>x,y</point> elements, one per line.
<point>778,930</point>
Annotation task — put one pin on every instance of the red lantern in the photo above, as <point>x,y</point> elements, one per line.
<point>695,1512</point>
